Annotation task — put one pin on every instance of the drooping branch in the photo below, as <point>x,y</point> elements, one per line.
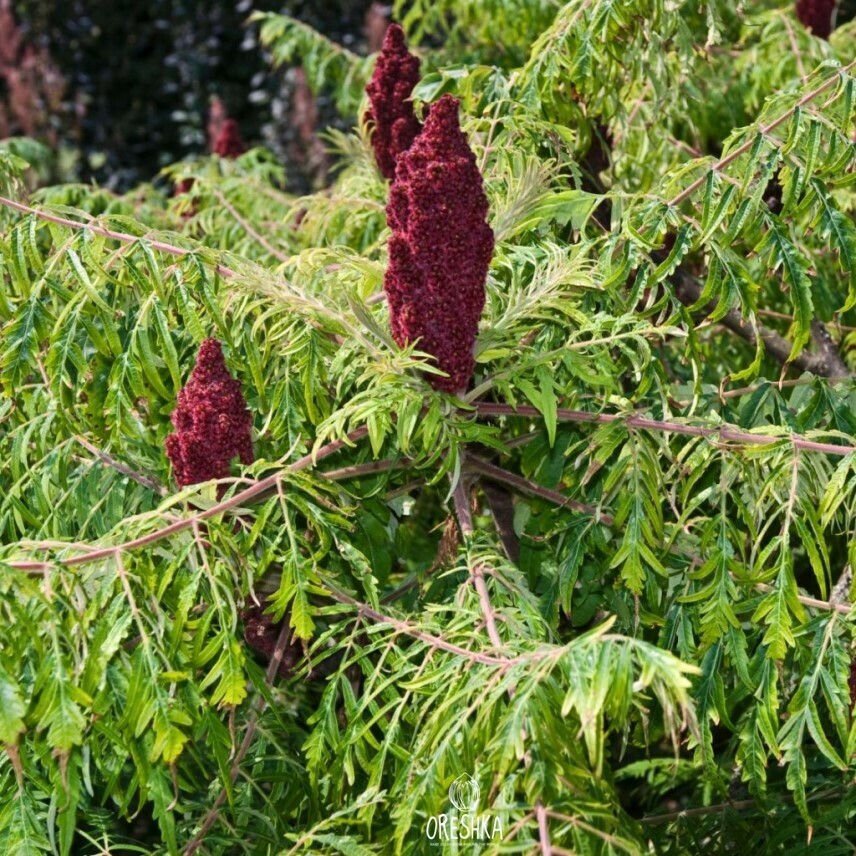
<point>766,129</point>
<point>632,421</point>
<point>125,470</point>
<point>369,468</point>
<point>161,246</point>
<point>461,500</point>
<point>499,474</point>
<point>256,491</point>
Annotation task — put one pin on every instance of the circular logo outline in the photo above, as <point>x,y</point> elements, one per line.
<point>464,793</point>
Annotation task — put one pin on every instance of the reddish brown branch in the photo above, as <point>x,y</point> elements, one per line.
<point>465,521</point>
<point>496,473</point>
<point>632,421</point>
<point>260,488</point>
<point>161,246</point>
<point>766,129</point>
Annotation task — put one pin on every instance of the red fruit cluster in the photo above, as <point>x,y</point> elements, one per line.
<point>229,143</point>
<point>441,246</point>
<point>212,423</point>
<point>261,635</point>
<point>817,16</point>
<point>395,125</point>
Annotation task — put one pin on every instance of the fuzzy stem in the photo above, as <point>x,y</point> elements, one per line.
<point>465,521</point>
<point>258,488</point>
<point>161,246</point>
<point>728,434</point>
<point>741,150</point>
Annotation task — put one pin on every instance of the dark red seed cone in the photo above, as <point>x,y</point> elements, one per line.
<point>394,124</point>
<point>261,635</point>
<point>211,420</point>
<point>817,15</point>
<point>441,246</point>
<point>229,143</point>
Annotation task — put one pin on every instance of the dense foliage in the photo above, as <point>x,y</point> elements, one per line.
<point>601,597</point>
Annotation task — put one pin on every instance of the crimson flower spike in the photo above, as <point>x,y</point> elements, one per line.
<point>212,423</point>
<point>817,16</point>
<point>229,143</point>
<point>441,247</point>
<point>394,124</point>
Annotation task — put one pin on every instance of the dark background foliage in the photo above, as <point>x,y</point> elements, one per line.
<point>138,78</point>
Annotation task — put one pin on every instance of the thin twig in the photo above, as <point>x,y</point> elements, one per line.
<point>800,381</point>
<point>738,805</point>
<point>809,601</point>
<point>248,228</point>
<point>368,468</point>
<point>634,421</point>
<point>465,521</point>
<point>745,147</point>
<point>543,830</point>
<point>783,316</point>
<point>145,481</point>
<point>795,48</point>
<point>734,805</point>
<point>161,246</point>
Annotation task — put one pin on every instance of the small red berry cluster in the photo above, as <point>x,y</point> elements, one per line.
<point>817,15</point>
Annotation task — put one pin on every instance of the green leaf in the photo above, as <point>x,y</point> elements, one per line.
<point>12,710</point>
